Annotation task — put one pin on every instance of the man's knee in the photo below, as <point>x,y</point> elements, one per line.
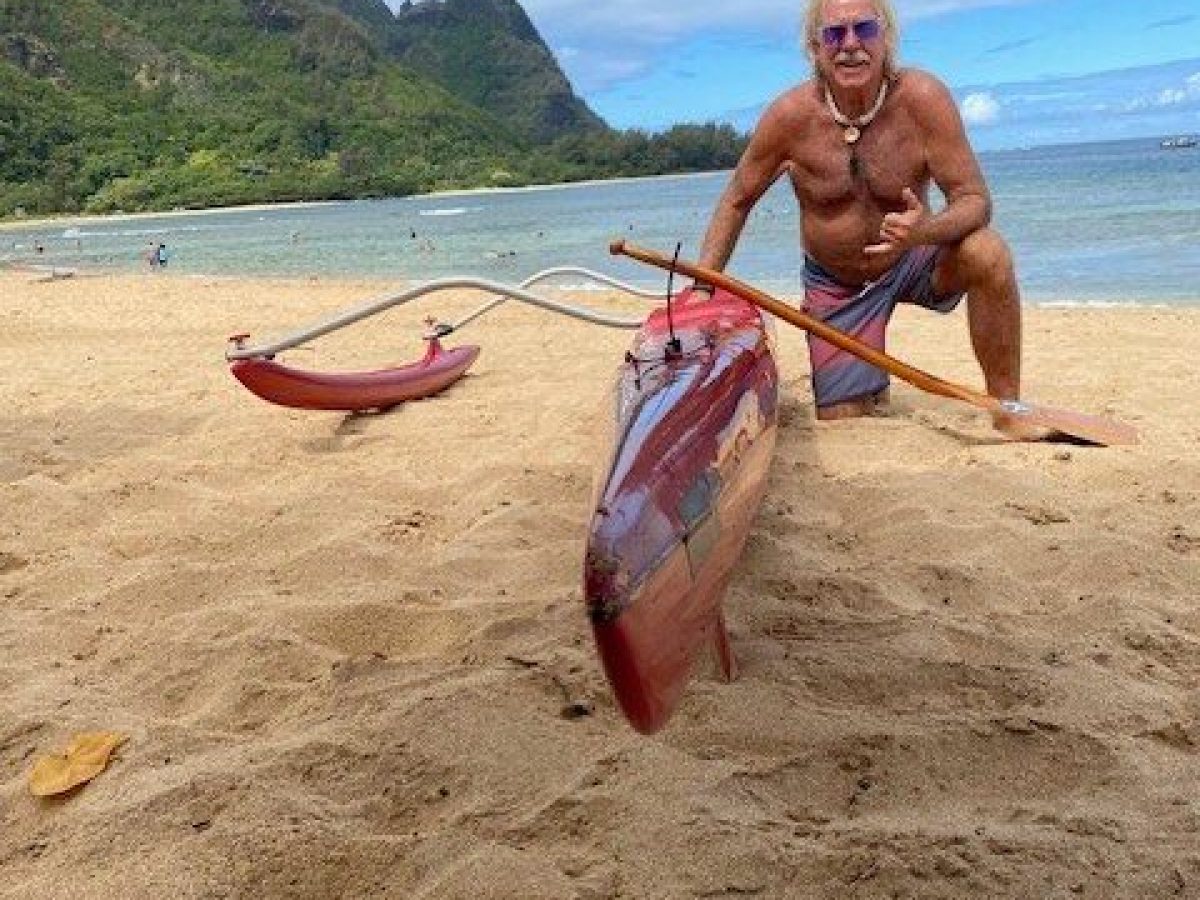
<point>983,257</point>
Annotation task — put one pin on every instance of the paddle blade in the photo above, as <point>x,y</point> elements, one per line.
<point>1099,430</point>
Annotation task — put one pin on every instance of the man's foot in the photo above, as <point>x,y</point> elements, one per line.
<point>1016,426</point>
<point>873,405</point>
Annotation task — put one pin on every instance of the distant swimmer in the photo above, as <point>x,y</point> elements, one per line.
<point>155,255</point>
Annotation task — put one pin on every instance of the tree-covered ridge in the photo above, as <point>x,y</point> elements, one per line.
<point>124,105</point>
<point>489,53</point>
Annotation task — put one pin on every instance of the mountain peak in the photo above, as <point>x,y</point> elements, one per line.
<point>489,53</point>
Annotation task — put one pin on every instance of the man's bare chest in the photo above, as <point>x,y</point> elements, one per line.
<point>828,172</point>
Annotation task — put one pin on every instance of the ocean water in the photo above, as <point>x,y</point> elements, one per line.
<point>1091,224</point>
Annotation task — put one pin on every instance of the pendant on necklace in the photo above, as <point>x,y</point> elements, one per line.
<point>852,134</point>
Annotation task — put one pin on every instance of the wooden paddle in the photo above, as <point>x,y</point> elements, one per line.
<point>1073,425</point>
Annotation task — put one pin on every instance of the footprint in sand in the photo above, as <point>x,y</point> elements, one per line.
<point>11,562</point>
<point>1039,515</point>
<point>409,525</point>
<point>1181,541</point>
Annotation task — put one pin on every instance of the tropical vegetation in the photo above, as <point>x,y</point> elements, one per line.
<point>127,105</point>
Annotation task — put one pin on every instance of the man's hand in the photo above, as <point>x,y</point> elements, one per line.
<point>900,231</point>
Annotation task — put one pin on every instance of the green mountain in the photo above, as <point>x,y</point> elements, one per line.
<point>126,105</point>
<point>488,53</point>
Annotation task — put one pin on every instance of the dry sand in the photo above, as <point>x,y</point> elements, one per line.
<point>347,649</point>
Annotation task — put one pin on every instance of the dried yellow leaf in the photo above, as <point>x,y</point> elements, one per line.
<point>85,757</point>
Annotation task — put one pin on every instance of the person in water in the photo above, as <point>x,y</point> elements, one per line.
<point>861,142</point>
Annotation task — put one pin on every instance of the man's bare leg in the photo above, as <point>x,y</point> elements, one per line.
<point>983,266</point>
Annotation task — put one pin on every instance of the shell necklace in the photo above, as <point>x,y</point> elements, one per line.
<point>853,127</point>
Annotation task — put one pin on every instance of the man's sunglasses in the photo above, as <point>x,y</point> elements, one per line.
<point>864,30</point>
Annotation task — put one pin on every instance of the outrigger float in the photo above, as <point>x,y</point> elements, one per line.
<point>693,431</point>
<point>256,368</point>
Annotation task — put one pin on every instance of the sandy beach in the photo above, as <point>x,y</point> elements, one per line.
<point>351,657</point>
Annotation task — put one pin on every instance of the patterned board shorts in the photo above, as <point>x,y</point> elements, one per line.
<point>864,312</point>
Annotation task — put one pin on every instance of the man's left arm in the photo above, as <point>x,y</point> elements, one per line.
<point>955,170</point>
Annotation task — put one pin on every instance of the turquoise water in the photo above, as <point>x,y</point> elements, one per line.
<point>1092,223</point>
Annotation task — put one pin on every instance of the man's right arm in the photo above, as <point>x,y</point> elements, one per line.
<point>762,162</point>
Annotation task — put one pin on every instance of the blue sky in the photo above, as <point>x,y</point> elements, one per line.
<point>1025,71</point>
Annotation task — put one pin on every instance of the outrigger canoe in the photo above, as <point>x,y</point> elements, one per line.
<point>695,422</point>
<point>694,427</point>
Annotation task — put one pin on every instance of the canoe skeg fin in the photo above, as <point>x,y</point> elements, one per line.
<point>723,651</point>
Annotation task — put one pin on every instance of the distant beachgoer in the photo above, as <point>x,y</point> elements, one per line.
<point>150,255</point>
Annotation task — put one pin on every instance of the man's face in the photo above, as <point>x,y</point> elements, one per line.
<point>850,47</point>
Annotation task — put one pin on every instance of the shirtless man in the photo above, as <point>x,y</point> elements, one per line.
<point>861,142</point>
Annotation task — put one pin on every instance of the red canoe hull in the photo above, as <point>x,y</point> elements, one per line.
<point>355,391</point>
<point>687,473</point>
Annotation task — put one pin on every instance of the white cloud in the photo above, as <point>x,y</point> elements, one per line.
<point>1188,92</point>
<point>1176,96</point>
<point>980,109</point>
<point>640,32</point>
<point>621,20</point>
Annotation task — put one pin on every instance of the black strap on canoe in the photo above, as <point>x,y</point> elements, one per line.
<point>673,348</point>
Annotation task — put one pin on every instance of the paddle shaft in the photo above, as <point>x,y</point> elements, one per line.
<point>800,319</point>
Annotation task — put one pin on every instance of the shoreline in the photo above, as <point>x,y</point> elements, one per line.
<point>72,218</point>
<point>9,224</point>
<point>76,218</point>
<point>138,271</point>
